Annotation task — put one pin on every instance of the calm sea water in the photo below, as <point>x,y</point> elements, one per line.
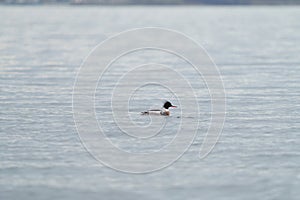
<point>257,52</point>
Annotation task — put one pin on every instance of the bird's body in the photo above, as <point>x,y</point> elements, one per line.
<point>163,111</point>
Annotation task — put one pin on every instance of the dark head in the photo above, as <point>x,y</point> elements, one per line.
<point>167,105</point>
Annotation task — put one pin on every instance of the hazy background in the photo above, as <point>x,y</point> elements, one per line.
<point>256,49</point>
<point>157,2</point>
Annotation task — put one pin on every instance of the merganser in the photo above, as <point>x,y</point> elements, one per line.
<point>163,111</point>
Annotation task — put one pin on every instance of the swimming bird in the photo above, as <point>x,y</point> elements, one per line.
<point>163,111</point>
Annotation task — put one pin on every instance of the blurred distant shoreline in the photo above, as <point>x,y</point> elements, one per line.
<point>150,2</point>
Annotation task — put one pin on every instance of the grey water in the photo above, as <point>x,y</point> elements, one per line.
<point>258,153</point>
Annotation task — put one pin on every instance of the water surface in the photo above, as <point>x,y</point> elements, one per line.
<point>257,52</point>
